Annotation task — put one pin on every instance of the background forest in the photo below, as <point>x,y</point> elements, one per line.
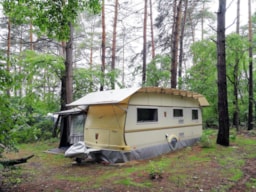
<point>53,52</point>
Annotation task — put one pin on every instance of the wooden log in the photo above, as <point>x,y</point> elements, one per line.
<point>12,162</point>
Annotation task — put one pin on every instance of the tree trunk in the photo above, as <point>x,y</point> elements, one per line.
<point>144,43</point>
<point>235,75</point>
<point>69,67</point>
<point>103,47</point>
<point>223,133</point>
<point>238,17</point>
<point>250,83</point>
<point>152,30</point>
<point>12,162</point>
<point>19,90</point>
<point>181,40</point>
<point>192,28</point>
<point>113,62</point>
<point>175,43</point>
<point>202,21</point>
<point>31,36</point>
<point>67,88</point>
<point>63,80</point>
<point>8,52</point>
<point>91,53</point>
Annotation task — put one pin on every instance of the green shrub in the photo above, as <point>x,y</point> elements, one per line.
<point>40,129</point>
<point>206,140</point>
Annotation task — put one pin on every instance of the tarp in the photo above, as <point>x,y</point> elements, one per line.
<point>80,150</point>
<point>74,110</point>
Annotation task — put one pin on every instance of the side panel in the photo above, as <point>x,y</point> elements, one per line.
<point>158,99</point>
<point>104,127</point>
<point>144,134</point>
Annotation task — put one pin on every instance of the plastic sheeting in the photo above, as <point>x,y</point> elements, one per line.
<point>145,153</point>
<point>79,150</point>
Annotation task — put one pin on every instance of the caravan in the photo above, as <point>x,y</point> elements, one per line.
<point>139,123</point>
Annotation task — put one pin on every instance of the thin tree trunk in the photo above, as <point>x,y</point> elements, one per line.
<point>63,79</point>
<point>91,54</point>
<point>175,44</point>
<point>31,36</point>
<point>113,62</point>
<point>181,40</point>
<point>69,67</point>
<point>144,43</point>
<point>19,91</point>
<point>192,29</point>
<point>8,52</point>
<point>238,17</point>
<point>223,133</point>
<point>103,47</point>
<point>202,21</point>
<point>250,107</point>
<point>235,75</point>
<point>152,29</point>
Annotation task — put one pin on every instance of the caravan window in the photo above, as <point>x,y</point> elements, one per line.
<point>194,114</point>
<point>147,115</point>
<point>77,128</point>
<point>177,112</point>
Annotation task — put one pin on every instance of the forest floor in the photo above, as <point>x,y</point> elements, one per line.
<point>195,168</point>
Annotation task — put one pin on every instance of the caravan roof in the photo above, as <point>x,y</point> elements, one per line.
<point>119,95</point>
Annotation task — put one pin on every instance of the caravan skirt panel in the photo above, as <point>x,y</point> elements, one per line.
<point>144,153</point>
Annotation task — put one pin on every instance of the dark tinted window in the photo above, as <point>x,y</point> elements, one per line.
<point>194,114</point>
<point>147,115</point>
<point>177,113</point>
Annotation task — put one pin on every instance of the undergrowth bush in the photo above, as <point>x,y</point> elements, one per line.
<point>40,129</point>
<point>206,140</point>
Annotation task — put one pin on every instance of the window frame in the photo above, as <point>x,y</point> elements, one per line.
<point>175,115</point>
<point>195,117</point>
<point>151,117</point>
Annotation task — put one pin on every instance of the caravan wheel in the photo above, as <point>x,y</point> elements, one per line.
<point>78,160</point>
<point>172,142</point>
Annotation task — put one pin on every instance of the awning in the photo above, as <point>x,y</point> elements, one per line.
<point>75,110</point>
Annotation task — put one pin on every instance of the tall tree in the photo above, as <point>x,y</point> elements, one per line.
<point>152,29</point>
<point>144,61</point>
<point>223,133</point>
<point>250,83</point>
<point>113,62</point>
<point>103,46</point>
<point>177,15</point>
<point>235,74</point>
<point>8,52</point>
<point>181,55</point>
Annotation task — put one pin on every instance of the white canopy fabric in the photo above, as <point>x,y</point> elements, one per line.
<point>119,95</point>
<point>74,110</point>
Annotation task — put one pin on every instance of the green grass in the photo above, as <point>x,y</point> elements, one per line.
<point>130,182</point>
<point>178,168</point>
<point>179,179</point>
<point>251,184</point>
<point>73,178</point>
<point>236,174</point>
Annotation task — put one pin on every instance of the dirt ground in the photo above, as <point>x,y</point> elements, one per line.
<point>249,172</point>
<point>53,173</point>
